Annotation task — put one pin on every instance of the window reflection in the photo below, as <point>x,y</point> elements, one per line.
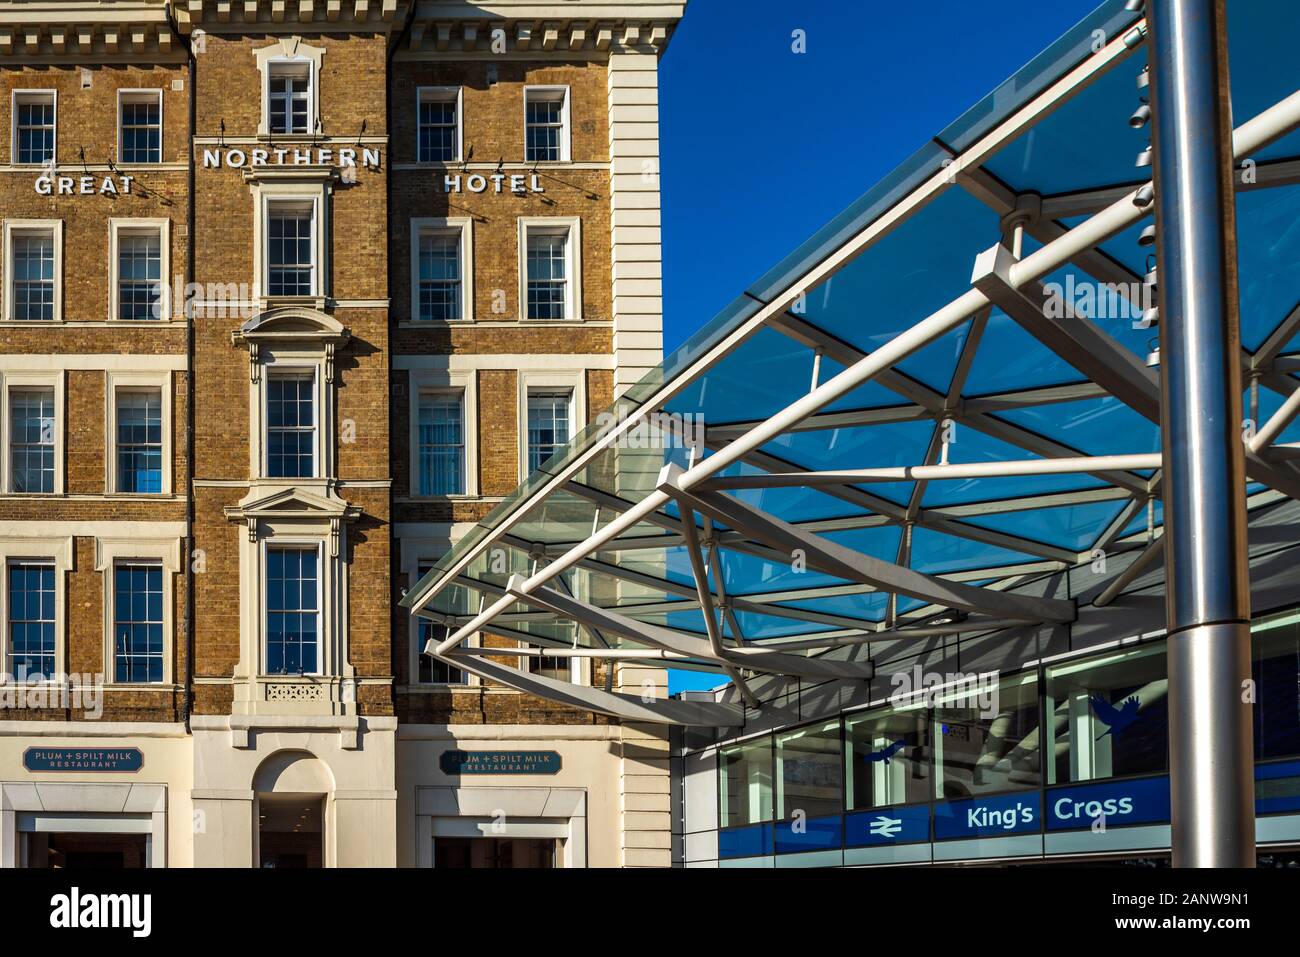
<point>1275,667</point>
<point>1108,716</point>
<point>809,771</point>
<point>888,758</point>
<point>747,783</point>
<point>983,750</point>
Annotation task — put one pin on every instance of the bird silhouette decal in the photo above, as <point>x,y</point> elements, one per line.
<point>1118,719</point>
<point>887,752</point>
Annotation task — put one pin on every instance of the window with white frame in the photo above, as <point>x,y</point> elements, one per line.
<point>441,434</point>
<point>32,428</point>
<point>34,127</point>
<point>438,124</point>
<point>290,248</point>
<point>442,268</point>
<point>546,124</point>
<point>33,254</point>
<point>289,97</point>
<point>138,621</point>
<point>291,424</point>
<point>549,424</point>
<point>550,287</point>
<point>293,607</point>
<point>138,286</point>
<point>139,422</point>
<point>140,126</point>
<point>31,602</point>
<point>428,670</point>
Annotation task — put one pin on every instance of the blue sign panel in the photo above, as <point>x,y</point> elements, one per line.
<point>1114,803</point>
<point>83,760</point>
<point>987,817</point>
<point>812,834</point>
<point>499,762</point>
<point>1277,787</point>
<point>891,825</point>
<point>752,841</point>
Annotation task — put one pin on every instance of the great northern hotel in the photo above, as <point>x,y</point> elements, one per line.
<point>294,292</point>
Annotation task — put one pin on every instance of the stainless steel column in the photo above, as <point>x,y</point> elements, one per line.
<point>1211,764</point>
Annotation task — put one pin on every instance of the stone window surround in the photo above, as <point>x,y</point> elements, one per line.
<point>54,550</point>
<point>307,185</point>
<point>164,551</point>
<point>117,226</point>
<point>140,94</point>
<point>30,93</point>
<point>55,228</point>
<point>115,382</point>
<point>566,129</point>
<point>529,812</point>
<point>289,50</point>
<point>530,380</point>
<point>19,799</point>
<point>9,381</point>
<point>443,94</point>
<point>464,225</point>
<point>301,359</point>
<point>573,264</point>
<point>425,381</point>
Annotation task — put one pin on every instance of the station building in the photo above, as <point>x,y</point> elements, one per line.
<point>294,295</point>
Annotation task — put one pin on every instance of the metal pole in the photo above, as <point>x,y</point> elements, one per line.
<point>1211,766</point>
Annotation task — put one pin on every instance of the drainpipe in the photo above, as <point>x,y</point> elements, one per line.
<point>189,378</point>
<point>1211,754</point>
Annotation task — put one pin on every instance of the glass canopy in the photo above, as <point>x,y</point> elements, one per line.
<point>697,520</point>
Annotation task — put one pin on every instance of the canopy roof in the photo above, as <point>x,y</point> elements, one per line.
<point>951,318</point>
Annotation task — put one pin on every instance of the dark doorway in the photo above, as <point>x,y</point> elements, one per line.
<point>290,831</point>
<point>492,852</point>
<point>86,851</point>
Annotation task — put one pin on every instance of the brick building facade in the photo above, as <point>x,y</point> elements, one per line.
<point>293,294</point>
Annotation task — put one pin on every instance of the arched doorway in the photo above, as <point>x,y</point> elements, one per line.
<point>294,811</point>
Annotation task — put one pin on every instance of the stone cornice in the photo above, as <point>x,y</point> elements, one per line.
<point>85,30</point>
<point>232,15</point>
<point>529,27</point>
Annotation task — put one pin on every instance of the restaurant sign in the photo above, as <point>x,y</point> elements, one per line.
<point>83,759</point>
<point>499,762</point>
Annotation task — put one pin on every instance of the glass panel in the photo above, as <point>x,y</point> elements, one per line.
<point>291,425</point>
<point>292,610</point>
<point>437,133</point>
<point>32,261</point>
<point>440,276</point>
<point>429,670</point>
<point>289,253</point>
<point>548,425</point>
<point>139,276</point>
<point>1108,716</point>
<point>985,742</point>
<point>888,758</point>
<point>1275,667</point>
<point>442,444</point>
<point>745,777</point>
<point>547,282</point>
<point>288,99</point>
<point>142,130</point>
<point>31,620</point>
<point>31,440</point>
<point>543,127</point>
<point>35,128</point>
<point>139,442</point>
<point>137,623</point>
<point>810,771</point>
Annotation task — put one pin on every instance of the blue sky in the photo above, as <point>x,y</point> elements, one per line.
<point>761,146</point>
